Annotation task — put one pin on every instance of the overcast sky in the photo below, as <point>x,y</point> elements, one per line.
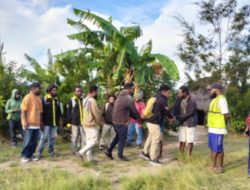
<point>33,26</point>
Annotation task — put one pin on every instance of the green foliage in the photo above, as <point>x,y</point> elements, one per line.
<point>55,179</point>
<point>113,58</point>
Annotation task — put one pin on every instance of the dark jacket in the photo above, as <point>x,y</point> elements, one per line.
<point>124,108</point>
<point>191,112</point>
<point>49,117</point>
<point>73,111</point>
<point>160,110</point>
<point>107,113</point>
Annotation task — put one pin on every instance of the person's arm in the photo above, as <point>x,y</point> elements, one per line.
<point>24,109</point>
<point>96,112</point>
<point>165,110</point>
<point>8,108</point>
<point>222,104</point>
<point>190,112</point>
<point>69,113</point>
<point>132,109</point>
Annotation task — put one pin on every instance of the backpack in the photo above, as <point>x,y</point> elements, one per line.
<point>148,111</point>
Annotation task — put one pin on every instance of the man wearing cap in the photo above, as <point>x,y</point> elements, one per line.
<point>218,115</point>
<point>51,120</point>
<point>123,109</point>
<point>31,117</point>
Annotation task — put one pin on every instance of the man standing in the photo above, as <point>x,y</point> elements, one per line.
<point>186,114</point>
<point>218,116</point>
<point>108,131</point>
<point>160,110</point>
<point>91,119</point>
<point>75,119</point>
<point>31,117</point>
<point>123,109</point>
<point>13,109</point>
<point>51,120</point>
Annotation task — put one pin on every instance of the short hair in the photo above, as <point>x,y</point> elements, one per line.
<point>93,88</point>
<point>128,86</point>
<point>184,89</point>
<point>77,86</point>
<point>164,87</point>
<point>111,95</point>
<point>35,85</point>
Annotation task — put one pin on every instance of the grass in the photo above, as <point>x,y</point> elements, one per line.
<point>193,174</point>
<point>185,173</point>
<point>56,179</point>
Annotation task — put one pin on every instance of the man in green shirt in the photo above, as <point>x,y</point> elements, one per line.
<point>13,109</point>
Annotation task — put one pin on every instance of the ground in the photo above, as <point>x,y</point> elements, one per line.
<point>178,172</point>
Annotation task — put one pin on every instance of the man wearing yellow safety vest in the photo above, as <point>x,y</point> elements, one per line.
<point>51,117</point>
<point>218,116</point>
<point>75,119</point>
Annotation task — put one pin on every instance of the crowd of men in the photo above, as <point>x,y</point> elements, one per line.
<point>38,119</point>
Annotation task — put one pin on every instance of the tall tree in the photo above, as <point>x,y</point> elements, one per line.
<point>208,52</point>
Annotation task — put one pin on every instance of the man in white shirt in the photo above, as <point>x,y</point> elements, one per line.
<point>218,116</point>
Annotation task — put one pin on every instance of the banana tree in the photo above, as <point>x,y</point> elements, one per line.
<point>115,58</point>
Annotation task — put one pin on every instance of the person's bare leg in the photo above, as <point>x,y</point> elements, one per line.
<point>182,147</point>
<point>190,148</point>
<point>220,160</point>
<point>214,156</point>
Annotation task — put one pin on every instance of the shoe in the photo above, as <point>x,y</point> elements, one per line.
<point>35,159</point>
<point>145,156</point>
<point>79,155</point>
<point>139,146</point>
<point>155,163</point>
<point>109,155</point>
<point>52,154</point>
<point>25,160</point>
<point>123,159</point>
<point>101,147</point>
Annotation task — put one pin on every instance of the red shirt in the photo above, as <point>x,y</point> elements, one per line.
<point>248,122</point>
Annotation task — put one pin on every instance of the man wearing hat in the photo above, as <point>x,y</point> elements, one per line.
<point>31,117</point>
<point>218,115</point>
<point>51,120</point>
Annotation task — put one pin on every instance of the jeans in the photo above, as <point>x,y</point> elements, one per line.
<point>49,134</point>
<point>14,126</point>
<point>120,139</point>
<point>31,138</point>
<point>78,134</point>
<point>249,157</point>
<point>131,130</point>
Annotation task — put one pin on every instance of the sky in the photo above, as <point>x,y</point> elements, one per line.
<point>34,26</point>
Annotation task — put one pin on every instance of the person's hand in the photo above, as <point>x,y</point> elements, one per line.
<point>42,127</point>
<point>26,126</point>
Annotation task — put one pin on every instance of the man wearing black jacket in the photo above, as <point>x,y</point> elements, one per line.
<point>186,113</point>
<point>75,119</point>
<point>108,132</point>
<point>123,109</point>
<point>52,115</point>
<point>160,110</point>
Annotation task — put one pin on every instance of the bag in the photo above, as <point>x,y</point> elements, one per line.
<point>148,111</point>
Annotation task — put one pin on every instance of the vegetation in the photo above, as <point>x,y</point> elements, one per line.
<point>67,172</point>
<point>221,53</point>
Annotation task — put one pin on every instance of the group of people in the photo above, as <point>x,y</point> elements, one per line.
<point>38,118</point>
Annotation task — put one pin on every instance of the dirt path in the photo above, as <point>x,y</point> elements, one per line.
<point>114,170</point>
